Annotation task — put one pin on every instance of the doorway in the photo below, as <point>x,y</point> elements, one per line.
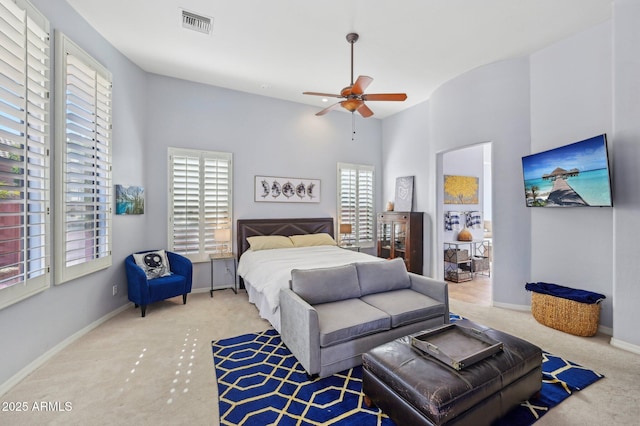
<point>467,170</point>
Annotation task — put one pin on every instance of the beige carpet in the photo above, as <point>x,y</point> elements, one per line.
<point>158,370</point>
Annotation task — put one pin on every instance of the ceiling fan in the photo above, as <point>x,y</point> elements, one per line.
<point>353,95</point>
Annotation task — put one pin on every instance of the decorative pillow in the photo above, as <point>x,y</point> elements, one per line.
<point>323,285</point>
<point>268,242</point>
<point>308,240</point>
<point>378,277</point>
<point>155,264</point>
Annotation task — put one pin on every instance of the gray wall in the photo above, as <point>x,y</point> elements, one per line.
<point>574,89</point>
<point>489,104</point>
<point>151,113</point>
<point>463,162</point>
<point>626,158</point>
<point>266,136</point>
<point>405,150</point>
<point>33,326</point>
<point>518,105</point>
<point>571,96</point>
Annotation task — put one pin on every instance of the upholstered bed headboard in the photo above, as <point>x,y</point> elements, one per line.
<point>285,227</point>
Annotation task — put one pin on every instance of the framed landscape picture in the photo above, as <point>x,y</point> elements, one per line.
<point>129,199</point>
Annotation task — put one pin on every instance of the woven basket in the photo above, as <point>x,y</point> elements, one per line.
<point>580,319</point>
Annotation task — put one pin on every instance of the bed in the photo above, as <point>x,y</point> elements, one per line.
<point>263,273</point>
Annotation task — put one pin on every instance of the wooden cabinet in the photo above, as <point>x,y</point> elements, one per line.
<point>400,235</point>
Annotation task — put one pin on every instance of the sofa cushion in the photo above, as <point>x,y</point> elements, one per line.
<point>405,306</point>
<point>349,319</point>
<point>378,277</point>
<point>323,285</point>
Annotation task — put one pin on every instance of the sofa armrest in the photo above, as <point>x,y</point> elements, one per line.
<point>300,330</point>
<point>137,286</point>
<point>181,265</point>
<point>435,289</point>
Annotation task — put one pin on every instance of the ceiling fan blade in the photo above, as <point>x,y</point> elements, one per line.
<point>329,108</point>
<point>361,85</point>
<point>365,111</point>
<point>326,95</point>
<point>385,97</point>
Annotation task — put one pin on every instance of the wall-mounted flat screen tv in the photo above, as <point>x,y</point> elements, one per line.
<point>575,175</point>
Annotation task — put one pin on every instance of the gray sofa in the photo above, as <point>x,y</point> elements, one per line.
<point>331,316</point>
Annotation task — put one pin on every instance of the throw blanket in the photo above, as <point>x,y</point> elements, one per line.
<point>270,270</point>
<point>582,296</point>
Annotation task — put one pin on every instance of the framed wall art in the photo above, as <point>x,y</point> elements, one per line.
<point>129,199</point>
<point>273,189</point>
<point>460,189</point>
<point>404,194</point>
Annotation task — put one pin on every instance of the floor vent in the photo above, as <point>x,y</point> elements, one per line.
<point>195,22</point>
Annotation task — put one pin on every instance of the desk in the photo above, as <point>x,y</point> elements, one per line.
<point>213,258</point>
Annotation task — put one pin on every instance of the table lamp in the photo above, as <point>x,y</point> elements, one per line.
<point>223,235</point>
<point>345,228</point>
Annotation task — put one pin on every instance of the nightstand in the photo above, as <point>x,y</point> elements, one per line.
<point>352,247</point>
<point>213,258</point>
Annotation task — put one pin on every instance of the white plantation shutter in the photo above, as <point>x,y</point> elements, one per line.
<point>199,202</point>
<point>24,152</point>
<point>356,202</point>
<point>185,204</point>
<point>366,213</point>
<point>84,163</point>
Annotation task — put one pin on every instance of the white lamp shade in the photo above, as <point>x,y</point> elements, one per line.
<point>222,234</point>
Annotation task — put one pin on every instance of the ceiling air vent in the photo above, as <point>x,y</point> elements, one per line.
<point>195,22</point>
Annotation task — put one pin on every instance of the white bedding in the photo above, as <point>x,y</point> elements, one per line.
<point>270,270</point>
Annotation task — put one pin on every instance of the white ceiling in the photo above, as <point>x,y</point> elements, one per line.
<point>280,48</point>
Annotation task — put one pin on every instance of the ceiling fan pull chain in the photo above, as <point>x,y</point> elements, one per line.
<point>353,127</point>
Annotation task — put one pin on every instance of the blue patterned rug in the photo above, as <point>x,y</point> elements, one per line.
<point>261,383</point>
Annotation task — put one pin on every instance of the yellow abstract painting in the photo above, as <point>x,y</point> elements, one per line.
<point>460,189</point>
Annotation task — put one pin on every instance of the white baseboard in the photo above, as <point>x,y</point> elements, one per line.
<point>525,308</point>
<point>32,366</point>
<point>624,345</point>
<point>605,330</point>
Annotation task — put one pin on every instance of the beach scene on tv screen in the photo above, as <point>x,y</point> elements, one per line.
<point>575,175</point>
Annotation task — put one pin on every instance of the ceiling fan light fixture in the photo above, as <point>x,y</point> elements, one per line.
<point>351,104</point>
<point>354,94</point>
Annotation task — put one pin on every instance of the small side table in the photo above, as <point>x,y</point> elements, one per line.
<point>351,247</point>
<point>226,257</point>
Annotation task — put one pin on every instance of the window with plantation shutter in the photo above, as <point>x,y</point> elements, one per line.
<point>24,152</point>
<point>200,189</point>
<point>83,160</point>
<point>356,203</point>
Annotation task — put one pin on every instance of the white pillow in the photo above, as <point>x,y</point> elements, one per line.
<point>310,240</point>
<point>268,242</point>
<point>155,264</point>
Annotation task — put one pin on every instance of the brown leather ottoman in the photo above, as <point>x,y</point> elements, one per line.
<point>413,388</point>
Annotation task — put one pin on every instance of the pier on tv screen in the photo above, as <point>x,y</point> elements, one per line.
<point>574,175</point>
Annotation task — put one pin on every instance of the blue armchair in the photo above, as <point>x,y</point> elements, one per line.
<point>143,291</point>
